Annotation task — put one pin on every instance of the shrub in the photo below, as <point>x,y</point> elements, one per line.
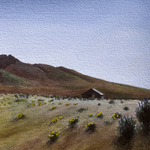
<point>107,122</point>
<point>111,101</point>
<point>28,105</point>
<point>59,103</point>
<point>75,103</point>
<point>122,101</point>
<point>33,104</point>
<point>20,116</point>
<point>73,122</point>
<point>60,117</point>
<point>99,115</point>
<point>54,135</point>
<point>90,115</point>
<point>67,104</point>
<point>90,126</point>
<point>54,120</point>
<point>126,108</point>
<point>143,115</point>
<point>32,101</point>
<point>82,109</point>
<point>99,104</point>
<point>127,127</point>
<point>116,115</point>
<point>53,107</point>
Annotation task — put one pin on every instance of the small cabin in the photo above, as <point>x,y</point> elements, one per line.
<point>93,93</point>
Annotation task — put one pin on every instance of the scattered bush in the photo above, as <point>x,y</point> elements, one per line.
<point>111,101</point>
<point>60,117</point>
<point>90,115</point>
<point>32,101</point>
<point>127,127</point>
<point>20,116</point>
<point>82,109</point>
<point>99,115</point>
<point>67,104</point>
<point>90,126</point>
<point>75,103</point>
<point>126,108</point>
<point>122,101</point>
<point>53,107</point>
<point>54,120</point>
<point>143,115</point>
<point>20,100</point>
<point>60,103</point>
<point>107,122</point>
<point>99,104</point>
<point>73,122</point>
<point>116,115</point>
<point>54,135</point>
<point>28,105</point>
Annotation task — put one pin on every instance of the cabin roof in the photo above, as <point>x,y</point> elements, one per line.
<point>95,91</point>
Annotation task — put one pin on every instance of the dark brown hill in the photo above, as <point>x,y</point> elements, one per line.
<point>7,60</point>
<point>16,76</point>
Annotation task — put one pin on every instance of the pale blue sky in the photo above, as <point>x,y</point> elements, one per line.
<point>107,39</point>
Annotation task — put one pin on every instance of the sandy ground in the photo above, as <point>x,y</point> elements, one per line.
<point>31,133</point>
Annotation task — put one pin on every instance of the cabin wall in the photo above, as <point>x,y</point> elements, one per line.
<point>92,94</point>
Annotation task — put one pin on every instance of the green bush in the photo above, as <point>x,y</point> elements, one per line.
<point>73,122</point>
<point>99,104</point>
<point>143,115</point>
<point>116,115</point>
<point>107,123</point>
<point>126,108</point>
<point>111,101</point>
<point>127,127</point>
<point>53,135</point>
<point>20,116</point>
<point>82,109</point>
<point>90,126</point>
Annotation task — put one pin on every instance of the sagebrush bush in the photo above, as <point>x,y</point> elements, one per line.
<point>73,122</point>
<point>82,109</point>
<point>54,135</point>
<point>99,104</point>
<point>53,107</point>
<point>90,126</point>
<point>127,127</point>
<point>112,101</point>
<point>54,120</point>
<point>116,115</point>
<point>67,104</point>
<point>90,115</point>
<point>143,115</point>
<point>20,116</point>
<point>99,115</point>
<point>126,108</point>
<point>75,103</point>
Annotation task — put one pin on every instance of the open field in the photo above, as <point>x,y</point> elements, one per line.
<point>31,132</point>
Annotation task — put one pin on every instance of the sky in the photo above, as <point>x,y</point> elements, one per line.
<point>106,39</point>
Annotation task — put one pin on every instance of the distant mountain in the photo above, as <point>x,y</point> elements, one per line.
<point>16,76</point>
